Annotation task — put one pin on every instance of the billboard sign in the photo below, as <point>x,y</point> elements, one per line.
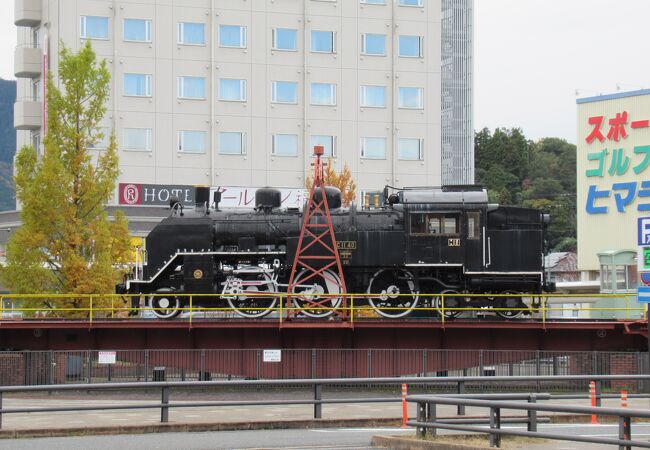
<point>135,194</point>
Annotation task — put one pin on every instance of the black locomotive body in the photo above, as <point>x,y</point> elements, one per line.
<point>447,240</point>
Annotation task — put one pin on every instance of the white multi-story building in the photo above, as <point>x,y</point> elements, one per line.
<point>237,92</point>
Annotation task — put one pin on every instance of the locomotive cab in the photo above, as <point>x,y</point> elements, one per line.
<point>445,226</point>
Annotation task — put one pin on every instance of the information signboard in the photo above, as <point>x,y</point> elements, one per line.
<point>106,357</point>
<point>272,356</point>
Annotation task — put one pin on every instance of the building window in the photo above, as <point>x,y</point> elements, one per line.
<point>100,139</point>
<point>323,94</point>
<point>35,137</point>
<point>37,90</point>
<point>191,33</point>
<point>36,37</point>
<point>285,39</point>
<point>191,88</point>
<point>373,44</point>
<point>137,85</point>
<point>285,145</point>
<point>137,139</point>
<point>232,90</point>
<point>190,141</point>
<point>411,97</point>
<point>93,27</point>
<point>232,143</point>
<point>410,149</point>
<point>285,92</point>
<point>373,2</point>
<point>327,142</point>
<point>232,36</point>
<point>323,41</point>
<point>373,96</point>
<point>137,30</point>
<point>373,147</point>
<point>410,46</point>
<point>419,3</point>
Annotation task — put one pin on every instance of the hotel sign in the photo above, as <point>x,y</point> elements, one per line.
<point>132,194</point>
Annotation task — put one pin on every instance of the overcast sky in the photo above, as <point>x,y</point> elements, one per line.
<point>530,57</point>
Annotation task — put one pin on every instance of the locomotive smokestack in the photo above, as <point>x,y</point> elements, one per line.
<point>202,197</point>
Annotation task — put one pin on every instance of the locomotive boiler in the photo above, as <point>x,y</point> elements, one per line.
<point>442,240</point>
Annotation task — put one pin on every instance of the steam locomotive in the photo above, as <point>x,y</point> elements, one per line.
<point>443,240</point>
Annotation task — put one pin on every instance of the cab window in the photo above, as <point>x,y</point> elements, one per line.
<point>435,224</point>
<point>473,225</point>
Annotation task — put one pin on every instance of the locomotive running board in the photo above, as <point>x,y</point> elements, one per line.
<point>298,323</point>
<point>176,255</point>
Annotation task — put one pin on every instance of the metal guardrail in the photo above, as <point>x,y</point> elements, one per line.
<point>317,384</point>
<point>114,306</point>
<point>426,420</point>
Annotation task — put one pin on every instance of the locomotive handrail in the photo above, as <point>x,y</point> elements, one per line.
<point>113,306</point>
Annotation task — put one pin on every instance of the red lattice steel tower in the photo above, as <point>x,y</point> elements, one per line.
<point>317,255</point>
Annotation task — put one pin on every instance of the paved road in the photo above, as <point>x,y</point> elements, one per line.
<point>321,439</point>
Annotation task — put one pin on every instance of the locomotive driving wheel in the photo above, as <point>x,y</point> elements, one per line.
<point>250,293</point>
<point>164,304</point>
<point>394,292</point>
<point>319,295</point>
<point>450,304</point>
<point>511,305</point>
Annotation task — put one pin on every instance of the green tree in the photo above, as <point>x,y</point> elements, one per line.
<point>67,244</point>
<point>538,174</point>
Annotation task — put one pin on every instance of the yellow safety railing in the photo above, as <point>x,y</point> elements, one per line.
<point>442,306</point>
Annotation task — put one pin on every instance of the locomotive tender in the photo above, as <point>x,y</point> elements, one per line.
<point>446,240</point>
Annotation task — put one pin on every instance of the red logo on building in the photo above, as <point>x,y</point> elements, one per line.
<point>130,194</point>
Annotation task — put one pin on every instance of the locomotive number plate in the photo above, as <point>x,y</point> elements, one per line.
<point>346,245</point>
<point>453,242</point>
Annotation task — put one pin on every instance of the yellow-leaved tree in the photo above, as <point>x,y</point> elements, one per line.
<point>67,243</point>
<point>342,180</point>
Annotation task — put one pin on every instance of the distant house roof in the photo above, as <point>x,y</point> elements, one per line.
<point>552,259</point>
<point>561,262</point>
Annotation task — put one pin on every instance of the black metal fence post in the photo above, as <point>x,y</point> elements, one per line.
<point>164,409</point>
<point>421,417</point>
<point>146,365</point>
<point>432,417</point>
<point>318,406</point>
<point>89,367</point>
<point>50,368</point>
<point>0,409</point>
<point>624,432</point>
<point>495,423</point>
<point>538,369</point>
<point>460,409</point>
<point>202,365</point>
<point>599,391</point>
<point>532,415</point>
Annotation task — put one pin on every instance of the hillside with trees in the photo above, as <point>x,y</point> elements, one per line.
<point>7,144</point>
<point>542,174</point>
